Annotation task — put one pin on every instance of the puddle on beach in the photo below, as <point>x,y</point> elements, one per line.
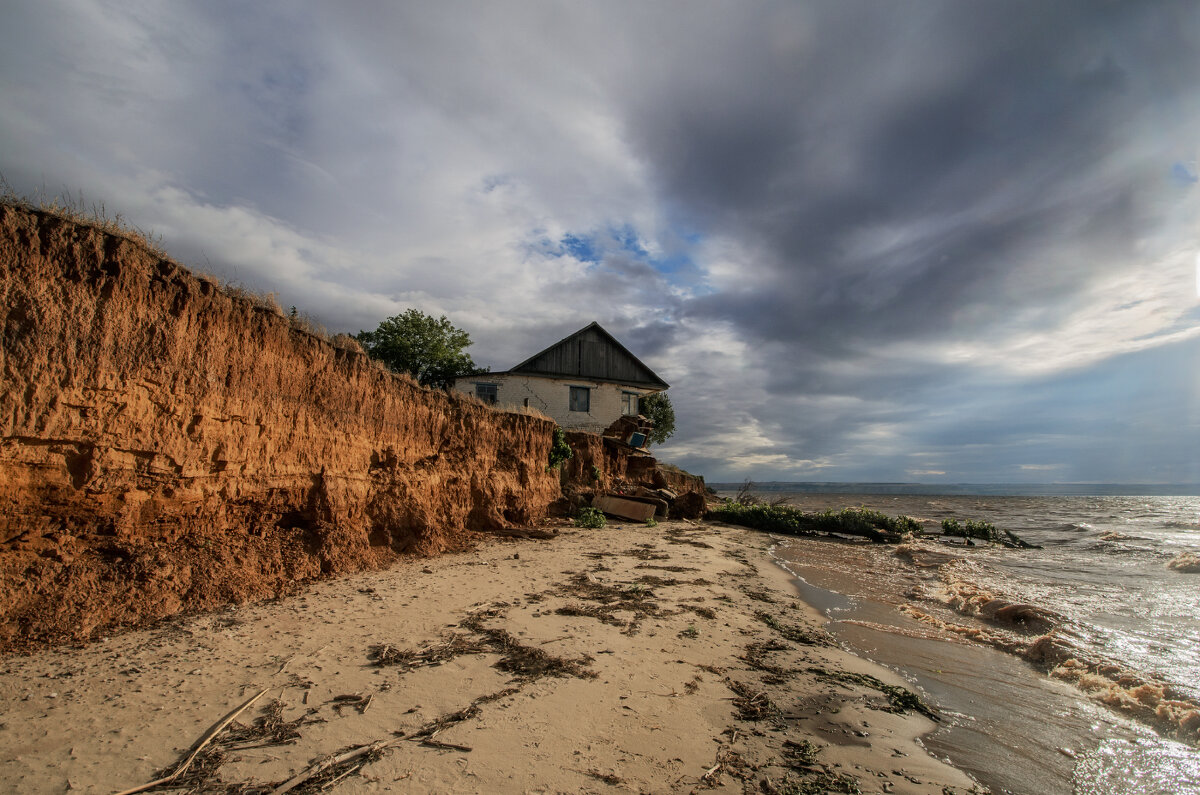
<point>1013,728</point>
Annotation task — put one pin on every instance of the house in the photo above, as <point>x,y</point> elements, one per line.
<point>584,382</point>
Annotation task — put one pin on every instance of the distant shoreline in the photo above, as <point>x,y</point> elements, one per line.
<point>976,489</point>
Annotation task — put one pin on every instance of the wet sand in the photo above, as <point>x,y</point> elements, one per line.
<point>669,659</point>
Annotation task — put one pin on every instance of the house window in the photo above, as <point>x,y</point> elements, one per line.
<point>629,403</point>
<point>581,398</point>
<point>488,393</point>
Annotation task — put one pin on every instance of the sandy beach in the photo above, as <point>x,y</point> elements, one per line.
<point>675,658</point>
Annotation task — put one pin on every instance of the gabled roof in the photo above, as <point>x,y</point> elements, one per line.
<point>593,354</point>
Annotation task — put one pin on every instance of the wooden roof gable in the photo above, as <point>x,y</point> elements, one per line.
<point>593,354</point>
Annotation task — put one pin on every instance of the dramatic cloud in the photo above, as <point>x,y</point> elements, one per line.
<point>927,241</point>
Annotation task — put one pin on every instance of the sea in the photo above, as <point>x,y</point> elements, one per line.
<point>1074,668</point>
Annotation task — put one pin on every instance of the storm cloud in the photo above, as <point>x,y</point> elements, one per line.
<point>934,241</point>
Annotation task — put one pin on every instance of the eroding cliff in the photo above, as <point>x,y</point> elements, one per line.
<point>167,447</point>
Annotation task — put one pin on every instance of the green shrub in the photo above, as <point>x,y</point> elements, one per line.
<point>590,517</point>
<point>789,520</point>
<point>595,473</point>
<point>651,522</point>
<point>973,529</point>
<point>560,451</point>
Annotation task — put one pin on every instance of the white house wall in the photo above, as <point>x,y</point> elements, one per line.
<point>551,396</point>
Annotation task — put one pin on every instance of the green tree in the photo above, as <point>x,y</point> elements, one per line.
<point>432,350</point>
<point>658,409</point>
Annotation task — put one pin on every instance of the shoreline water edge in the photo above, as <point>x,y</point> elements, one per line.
<point>1067,669</point>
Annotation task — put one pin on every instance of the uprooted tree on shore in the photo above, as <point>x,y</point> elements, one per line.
<point>747,510</point>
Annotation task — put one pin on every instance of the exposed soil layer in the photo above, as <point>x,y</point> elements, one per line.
<point>168,447</point>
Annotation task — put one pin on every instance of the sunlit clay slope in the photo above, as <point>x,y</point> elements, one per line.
<point>167,447</point>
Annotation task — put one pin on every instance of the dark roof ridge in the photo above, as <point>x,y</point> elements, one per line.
<point>610,338</point>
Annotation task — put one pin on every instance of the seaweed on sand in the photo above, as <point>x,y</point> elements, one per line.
<point>386,654</point>
<point>756,658</point>
<point>523,661</point>
<point>813,783</point>
<point>900,700</point>
<point>807,637</point>
<point>634,598</point>
<point>751,704</point>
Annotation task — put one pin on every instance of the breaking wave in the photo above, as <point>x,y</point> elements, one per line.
<point>1186,562</point>
<point>1044,637</point>
<point>1149,700</point>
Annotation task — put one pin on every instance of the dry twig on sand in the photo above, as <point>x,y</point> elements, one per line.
<point>197,748</point>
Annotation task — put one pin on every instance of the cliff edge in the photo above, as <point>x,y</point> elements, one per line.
<point>167,447</point>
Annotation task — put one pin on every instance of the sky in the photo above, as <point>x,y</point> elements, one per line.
<point>911,241</point>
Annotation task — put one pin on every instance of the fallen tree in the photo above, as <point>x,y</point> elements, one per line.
<point>861,522</point>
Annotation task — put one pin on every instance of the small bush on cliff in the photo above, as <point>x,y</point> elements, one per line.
<point>560,451</point>
<point>590,518</point>
<point>429,348</point>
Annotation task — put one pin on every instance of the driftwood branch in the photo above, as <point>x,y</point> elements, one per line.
<point>432,743</point>
<point>317,768</point>
<point>200,745</point>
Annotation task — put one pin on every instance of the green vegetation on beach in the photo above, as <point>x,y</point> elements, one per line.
<point>984,531</point>
<point>789,520</point>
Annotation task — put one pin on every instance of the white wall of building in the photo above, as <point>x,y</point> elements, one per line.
<point>551,396</point>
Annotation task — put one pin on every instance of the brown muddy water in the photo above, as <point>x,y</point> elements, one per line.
<point>1070,669</point>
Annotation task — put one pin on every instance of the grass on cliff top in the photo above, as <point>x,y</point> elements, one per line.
<point>92,215</point>
<point>78,210</point>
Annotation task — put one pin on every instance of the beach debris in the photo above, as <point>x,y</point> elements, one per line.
<point>197,748</point>
<point>205,758</point>
<point>816,782</point>
<point>646,552</point>
<point>751,704</point>
<point>900,700</point>
<point>690,505</point>
<point>984,531</point>
<point>598,613</point>
<point>729,762</point>
<point>656,497</point>
<point>610,779</point>
<point>759,596</point>
<point>678,539</point>
<point>756,657</point>
<point>676,569</point>
<point>356,700</point>
<point>430,729</point>
<point>525,532</point>
<point>788,520</point>
<point>801,753</point>
<point>700,610</point>
<point>432,743</point>
<point>524,661</point>
<point>802,635</point>
<point>334,768</point>
<point>434,654</point>
<point>623,508</point>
